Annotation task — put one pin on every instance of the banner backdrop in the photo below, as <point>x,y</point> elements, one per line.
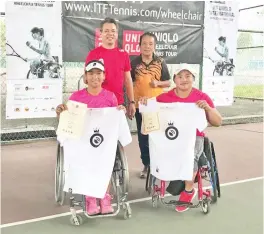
<point>32,99</point>
<point>220,43</point>
<point>176,44</point>
<point>34,58</point>
<point>176,12</point>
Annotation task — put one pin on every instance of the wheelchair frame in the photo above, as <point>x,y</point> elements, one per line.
<point>119,181</point>
<point>205,197</point>
<point>79,82</point>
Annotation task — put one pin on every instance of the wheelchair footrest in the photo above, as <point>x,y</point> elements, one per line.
<point>179,203</point>
<point>101,215</point>
<point>77,203</point>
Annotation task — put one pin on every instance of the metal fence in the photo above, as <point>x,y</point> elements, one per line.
<point>248,90</point>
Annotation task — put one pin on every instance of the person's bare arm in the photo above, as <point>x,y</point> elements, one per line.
<point>212,114</point>
<point>164,81</point>
<point>161,84</point>
<point>224,55</point>
<point>129,86</point>
<point>60,108</point>
<point>40,51</point>
<point>214,117</point>
<point>130,94</point>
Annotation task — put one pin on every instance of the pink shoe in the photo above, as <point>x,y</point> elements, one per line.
<point>91,206</point>
<point>106,206</point>
<point>185,197</point>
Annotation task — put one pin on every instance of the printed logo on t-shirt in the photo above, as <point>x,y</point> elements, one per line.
<point>96,139</point>
<point>171,132</point>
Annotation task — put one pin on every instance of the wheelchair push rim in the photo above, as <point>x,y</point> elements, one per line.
<point>120,170</point>
<point>150,182</point>
<point>59,176</point>
<point>213,175</point>
<point>124,166</point>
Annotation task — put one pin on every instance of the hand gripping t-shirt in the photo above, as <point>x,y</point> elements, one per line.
<point>195,95</point>
<point>90,159</point>
<point>172,147</point>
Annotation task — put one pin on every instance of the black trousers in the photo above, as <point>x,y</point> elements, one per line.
<point>143,140</point>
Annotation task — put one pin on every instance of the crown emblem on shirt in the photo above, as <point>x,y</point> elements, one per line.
<point>96,130</point>
<point>170,123</point>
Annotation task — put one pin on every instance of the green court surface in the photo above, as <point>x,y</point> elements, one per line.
<point>249,91</point>
<point>238,211</point>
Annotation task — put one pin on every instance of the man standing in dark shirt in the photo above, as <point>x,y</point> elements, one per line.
<point>150,76</point>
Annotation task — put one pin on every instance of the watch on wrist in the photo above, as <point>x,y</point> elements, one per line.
<point>132,102</point>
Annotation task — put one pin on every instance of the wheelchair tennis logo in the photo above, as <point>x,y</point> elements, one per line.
<point>171,132</point>
<point>96,139</point>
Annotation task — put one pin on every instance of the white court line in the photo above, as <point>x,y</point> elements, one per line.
<point>132,201</point>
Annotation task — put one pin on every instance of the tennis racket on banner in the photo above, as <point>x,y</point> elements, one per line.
<point>206,55</point>
<point>11,52</point>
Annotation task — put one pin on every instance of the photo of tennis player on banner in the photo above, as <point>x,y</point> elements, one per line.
<point>33,47</point>
<point>219,50</point>
<point>220,38</point>
<point>223,64</point>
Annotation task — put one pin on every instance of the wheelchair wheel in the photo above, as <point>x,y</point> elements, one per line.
<point>150,182</point>
<point>216,171</point>
<point>148,186</point>
<point>211,169</point>
<point>205,205</point>
<point>76,221</point>
<point>59,176</point>
<point>79,82</point>
<point>124,173</point>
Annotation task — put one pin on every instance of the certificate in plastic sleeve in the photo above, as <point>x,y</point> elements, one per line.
<point>150,122</point>
<point>71,123</point>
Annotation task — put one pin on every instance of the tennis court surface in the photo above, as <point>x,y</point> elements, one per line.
<point>28,191</point>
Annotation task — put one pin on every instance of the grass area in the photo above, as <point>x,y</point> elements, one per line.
<point>249,91</point>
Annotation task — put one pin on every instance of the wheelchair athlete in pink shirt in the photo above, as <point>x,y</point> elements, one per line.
<point>186,93</point>
<point>95,97</point>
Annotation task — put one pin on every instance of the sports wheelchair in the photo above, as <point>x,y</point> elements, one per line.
<point>119,187</point>
<point>207,169</point>
<point>51,69</point>
<point>224,68</point>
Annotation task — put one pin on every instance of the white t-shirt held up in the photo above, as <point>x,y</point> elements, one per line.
<point>89,161</point>
<point>172,146</point>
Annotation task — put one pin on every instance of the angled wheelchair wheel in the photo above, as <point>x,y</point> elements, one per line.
<point>124,178</point>
<point>30,75</point>
<point>121,168</point>
<point>216,172</point>
<point>148,186</point>
<point>79,82</point>
<point>211,169</point>
<point>228,69</point>
<point>59,176</point>
<point>150,182</point>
